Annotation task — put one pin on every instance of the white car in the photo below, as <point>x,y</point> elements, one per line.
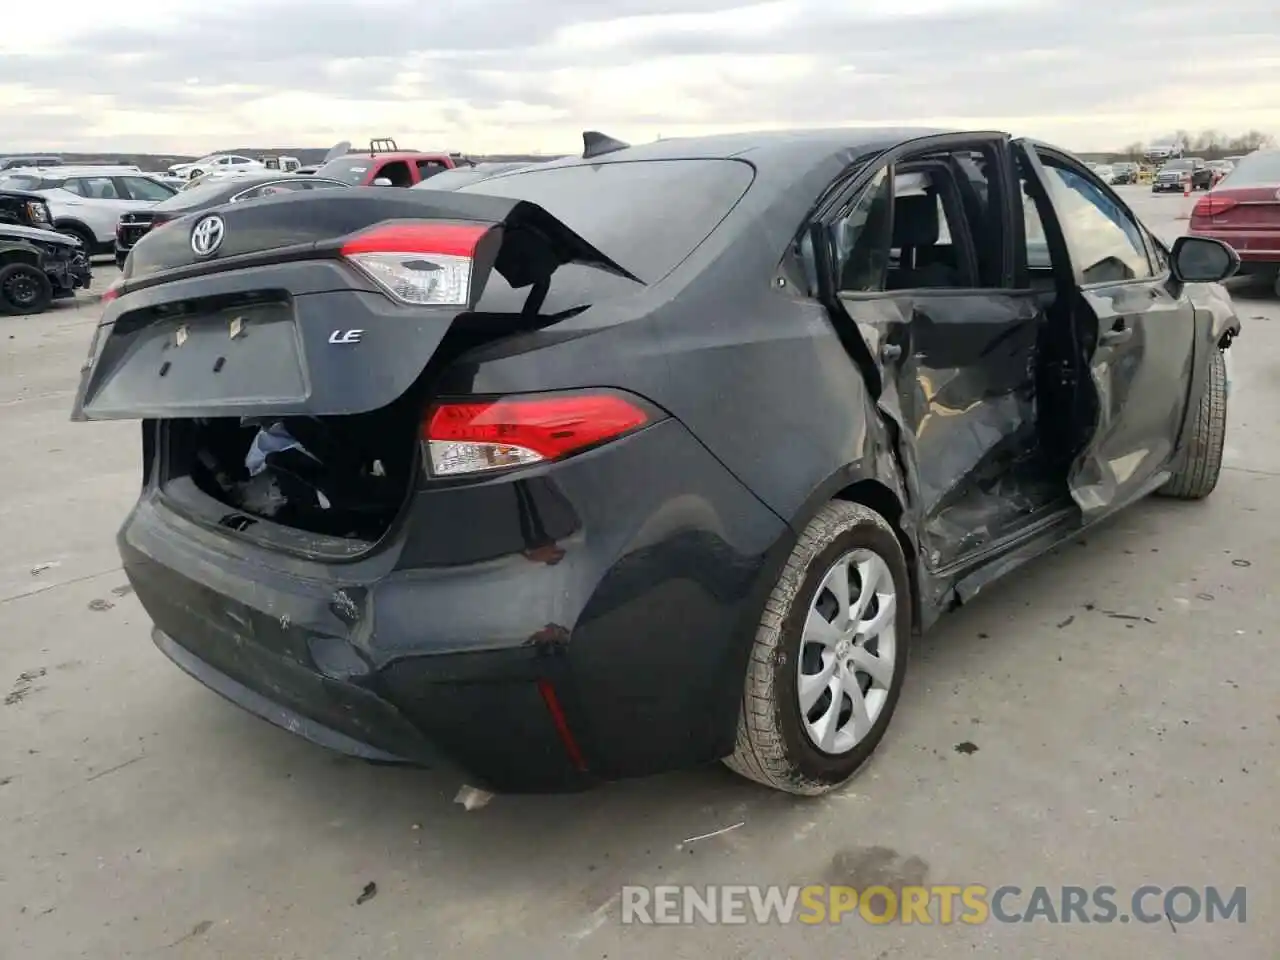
<point>215,161</point>
<point>1106,173</point>
<point>87,202</point>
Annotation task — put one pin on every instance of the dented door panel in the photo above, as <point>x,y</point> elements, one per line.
<point>959,377</point>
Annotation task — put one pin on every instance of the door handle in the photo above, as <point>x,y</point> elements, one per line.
<point>1117,335</point>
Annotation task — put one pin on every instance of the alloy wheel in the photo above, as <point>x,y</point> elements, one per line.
<point>847,651</point>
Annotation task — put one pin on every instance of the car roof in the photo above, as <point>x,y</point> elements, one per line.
<point>392,155</point>
<point>782,159</point>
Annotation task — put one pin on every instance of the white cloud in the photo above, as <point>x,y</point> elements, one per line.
<point>504,75</point>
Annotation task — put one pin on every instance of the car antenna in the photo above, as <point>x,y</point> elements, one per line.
<point>596,144</point>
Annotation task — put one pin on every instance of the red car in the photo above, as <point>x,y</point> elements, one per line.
<point>1244,211</point>
<point>384,165</point>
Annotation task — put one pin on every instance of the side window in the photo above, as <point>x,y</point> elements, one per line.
<point>861,237</point>
<point>930,231</point>
<point>94,188</point>
<point>140,188</point>
<point>1037,244</point>
<point>397,171</point>
<point>72,186</point>
<point>429,168</point>
<point>1105,241</point>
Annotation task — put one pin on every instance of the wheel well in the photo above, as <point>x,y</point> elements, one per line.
<point>882,500</point>
<point>19,256</point>
<point>79,226</point>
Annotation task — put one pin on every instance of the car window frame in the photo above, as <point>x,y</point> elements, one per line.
<point>1060,159</point>
<point>847,188</point>
<point>950,202</point>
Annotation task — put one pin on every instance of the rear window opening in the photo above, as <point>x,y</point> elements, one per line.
<point>623,208</point>
<point>342,478</point>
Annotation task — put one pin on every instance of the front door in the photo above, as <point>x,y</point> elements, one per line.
<point>1137,332</point>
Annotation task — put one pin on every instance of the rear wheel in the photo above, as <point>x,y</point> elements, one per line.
<point>829,656</point>
<point>24,289</point>
<point>1201,463</point>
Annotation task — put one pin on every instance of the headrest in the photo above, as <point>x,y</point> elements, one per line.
<point>915,221</point>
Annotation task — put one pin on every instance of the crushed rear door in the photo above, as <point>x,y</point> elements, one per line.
<point>285,318</point>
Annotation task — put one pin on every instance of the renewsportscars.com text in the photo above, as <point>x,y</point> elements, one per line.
<point>937,904</point>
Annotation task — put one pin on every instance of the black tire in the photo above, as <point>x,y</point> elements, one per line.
<point>1200,465</point>
<point>88,240</point>
<point>24,290</point>
<point>772,746</point>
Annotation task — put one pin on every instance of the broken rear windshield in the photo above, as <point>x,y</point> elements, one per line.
<point>645,215</point>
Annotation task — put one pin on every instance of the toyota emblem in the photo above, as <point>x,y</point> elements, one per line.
<point>207,234</point>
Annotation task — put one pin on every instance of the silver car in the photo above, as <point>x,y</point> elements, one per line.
<point>87,202</point>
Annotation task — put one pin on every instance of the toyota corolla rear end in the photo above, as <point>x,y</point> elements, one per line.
<point>1244,211</point>
<point>351,527</point>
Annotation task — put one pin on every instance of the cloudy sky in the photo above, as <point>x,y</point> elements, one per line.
<point>187,76</point>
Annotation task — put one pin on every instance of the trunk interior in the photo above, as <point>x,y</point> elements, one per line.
<point>333,477</point>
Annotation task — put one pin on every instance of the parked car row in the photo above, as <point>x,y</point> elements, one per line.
<point>77,212</point>
<point>1243,211</point>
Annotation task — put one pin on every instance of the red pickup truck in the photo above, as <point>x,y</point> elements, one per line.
<point>385,162</point>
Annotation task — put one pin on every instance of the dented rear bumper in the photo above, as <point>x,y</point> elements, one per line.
<point>586,621</point>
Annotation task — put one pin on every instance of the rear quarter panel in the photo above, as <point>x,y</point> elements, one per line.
<point>730,346</point>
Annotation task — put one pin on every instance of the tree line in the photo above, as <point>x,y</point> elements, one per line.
<point>1210,144</point>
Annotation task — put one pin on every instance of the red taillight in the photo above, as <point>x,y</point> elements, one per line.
<point>419,263</point>
<point>476,436</point>
<point>1212,206</point>
<point>111,292</point>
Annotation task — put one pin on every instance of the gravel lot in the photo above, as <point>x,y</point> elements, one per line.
<point>1123,697</point>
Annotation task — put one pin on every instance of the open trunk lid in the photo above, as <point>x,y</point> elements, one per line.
<point>298,305</point>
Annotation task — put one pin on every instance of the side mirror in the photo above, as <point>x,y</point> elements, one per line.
<point>1203,260</point>
<point>382,182</point>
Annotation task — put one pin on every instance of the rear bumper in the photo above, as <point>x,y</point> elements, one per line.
<point>626,582</point>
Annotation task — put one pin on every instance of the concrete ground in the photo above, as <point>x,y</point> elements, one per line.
<point>1123,697</point>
